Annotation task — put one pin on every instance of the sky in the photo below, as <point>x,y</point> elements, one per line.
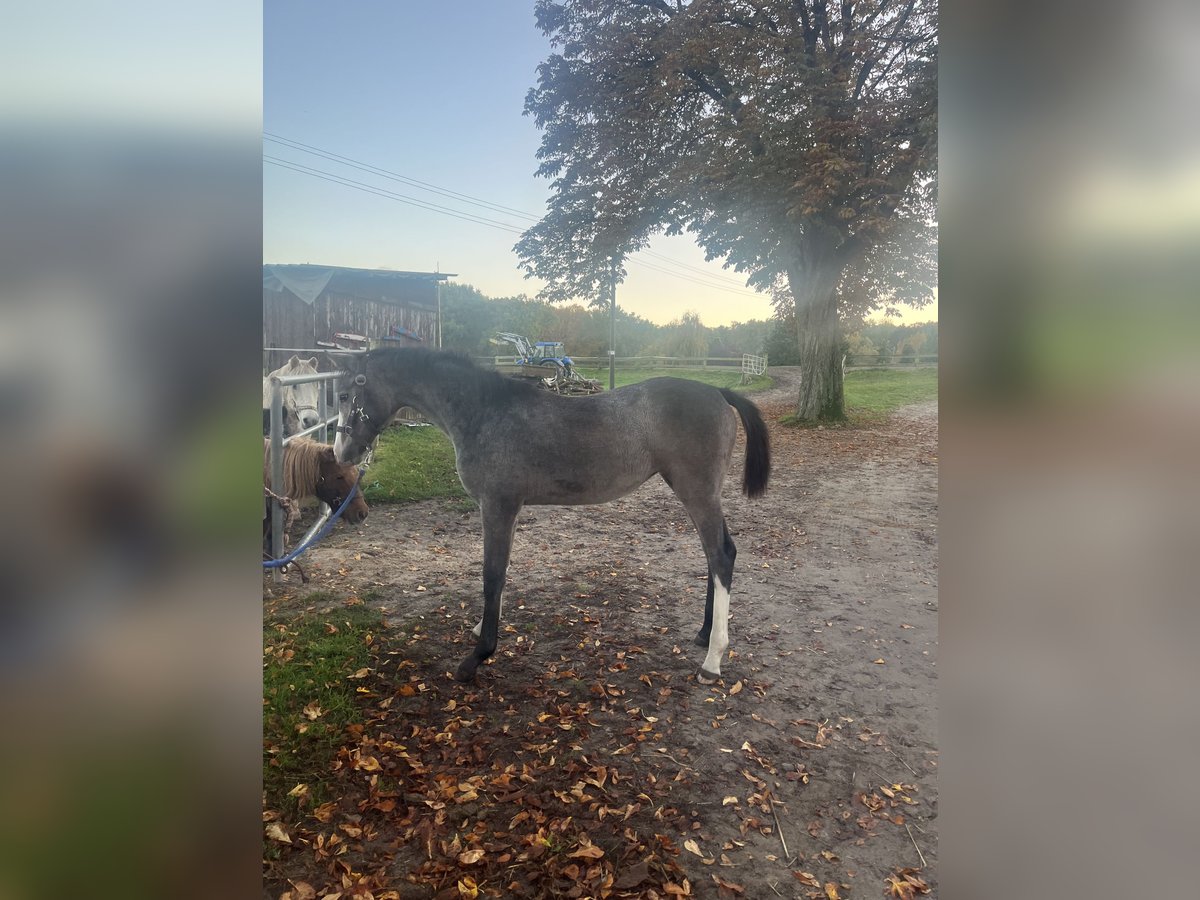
<point>434,93</point>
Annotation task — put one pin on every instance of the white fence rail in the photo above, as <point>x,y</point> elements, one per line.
<point>753,365</point>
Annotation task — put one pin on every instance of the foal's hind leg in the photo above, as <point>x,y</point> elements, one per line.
<point>730,550</point>
<point>499,522</point>
<point>720,552</point>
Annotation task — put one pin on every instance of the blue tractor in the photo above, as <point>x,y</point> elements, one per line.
<point>548,362</point>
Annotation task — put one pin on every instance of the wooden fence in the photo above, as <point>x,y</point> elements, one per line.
<point>635,362</point>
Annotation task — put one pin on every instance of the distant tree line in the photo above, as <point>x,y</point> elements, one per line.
<point>469,319</point>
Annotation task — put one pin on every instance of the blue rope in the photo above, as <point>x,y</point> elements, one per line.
<point>304,545</point>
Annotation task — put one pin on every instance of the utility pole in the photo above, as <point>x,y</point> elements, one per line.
<point>612,325</point>
<point>438,287</point>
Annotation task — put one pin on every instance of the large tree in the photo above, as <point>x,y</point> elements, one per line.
<point>791,137</point>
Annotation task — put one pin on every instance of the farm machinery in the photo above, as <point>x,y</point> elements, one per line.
<point>548,362</point>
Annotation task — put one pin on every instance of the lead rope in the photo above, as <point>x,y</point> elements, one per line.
<point>308,542</point>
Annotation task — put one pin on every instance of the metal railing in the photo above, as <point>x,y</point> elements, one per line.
<point>753,364</point>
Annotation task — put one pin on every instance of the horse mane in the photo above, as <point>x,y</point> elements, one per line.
<point>451,366</point>
<point>301,467</point>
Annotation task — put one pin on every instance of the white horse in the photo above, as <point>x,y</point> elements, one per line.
<point>299,400</point>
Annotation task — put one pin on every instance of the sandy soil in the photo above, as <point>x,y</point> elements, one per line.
<point>821,737</point>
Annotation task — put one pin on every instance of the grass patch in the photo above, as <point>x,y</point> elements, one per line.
<point>412,464</point>
<point>878,392</point>
<point>723,377</point>
<point>307,664</point>
<point>871,395</point>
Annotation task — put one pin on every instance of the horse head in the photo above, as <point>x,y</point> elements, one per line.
<point>361,416</point>
<point>336,480</point>
<point>303,399</point>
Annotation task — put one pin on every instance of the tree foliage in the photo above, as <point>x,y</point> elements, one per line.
<point>796,139</point>
<point>687,336</point>
<point>469,319</point>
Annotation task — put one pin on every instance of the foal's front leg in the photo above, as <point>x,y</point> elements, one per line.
<point>499,521</point>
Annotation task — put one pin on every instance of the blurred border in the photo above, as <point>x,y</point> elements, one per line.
<point>1070,220</point>
<point>130,601</point>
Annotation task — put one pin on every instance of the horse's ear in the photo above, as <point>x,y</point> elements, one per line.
<point>313,362</point>
<point>327,454</point>
<point>294,361</point>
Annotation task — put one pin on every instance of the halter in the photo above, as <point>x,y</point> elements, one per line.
<point>357,413</point>
<point>340,502</point>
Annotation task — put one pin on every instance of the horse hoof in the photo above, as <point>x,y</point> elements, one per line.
<point>707,677</point>
<point>466,672</point>
<point>700,640</point>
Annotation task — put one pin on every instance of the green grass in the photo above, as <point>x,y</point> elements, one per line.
<point>412,464</point>
<point>309,661</point>
<point>726,377</point>
<point>877,392</point>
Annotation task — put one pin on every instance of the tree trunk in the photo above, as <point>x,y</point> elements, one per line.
<point>814,288</point>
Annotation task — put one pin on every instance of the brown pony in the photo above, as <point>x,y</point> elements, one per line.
<point>311,472</point>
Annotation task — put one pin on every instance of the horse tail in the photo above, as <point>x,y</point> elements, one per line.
<point>758,447</point>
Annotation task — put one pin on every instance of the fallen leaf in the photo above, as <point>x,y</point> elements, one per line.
<point>324,812</point>
<point>692,847</point>
<point>633,876</point>
<point>470,857</point>
<point>302,890</point>
<point>728,800</point>
<point>467,888</point>
<point>807,878</point>
<point>906,883</point>
<point>591,851</point>
<point>736,687</point>
<point>276,832</point>
<point>728,885</point>
<point>878,662</point>
<point>831,891</point>
<point>367,764</point>
<point>313,711</point>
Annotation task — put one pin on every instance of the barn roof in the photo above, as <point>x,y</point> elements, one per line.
<point>308,282</point>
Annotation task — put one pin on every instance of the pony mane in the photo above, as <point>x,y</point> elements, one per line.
<point>301,467</point>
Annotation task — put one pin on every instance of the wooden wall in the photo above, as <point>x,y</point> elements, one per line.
<point>290,322</point>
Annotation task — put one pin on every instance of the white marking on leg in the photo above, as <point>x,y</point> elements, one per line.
<point>718,639</point>
<point>478,629</point>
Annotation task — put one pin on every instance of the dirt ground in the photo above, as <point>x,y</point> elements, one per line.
<point>587,760</point>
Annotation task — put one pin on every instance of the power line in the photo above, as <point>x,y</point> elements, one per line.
<point>707,284</point>
<point>704,272</point>
<point>334,178</point>
<point>395,176</point>
<point>389,195</point>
